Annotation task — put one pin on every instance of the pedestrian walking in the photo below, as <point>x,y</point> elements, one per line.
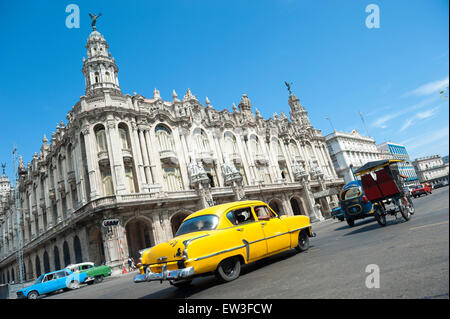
<point>129,263</point>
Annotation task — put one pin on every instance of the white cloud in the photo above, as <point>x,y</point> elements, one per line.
<point>428,139</point>
<point>426,114</point>
<point>428,88</point>
<point>407,124</point>
<point>381,122</point>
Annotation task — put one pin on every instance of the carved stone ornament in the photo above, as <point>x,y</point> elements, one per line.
<point>197,173</point>
<point>300,174</point>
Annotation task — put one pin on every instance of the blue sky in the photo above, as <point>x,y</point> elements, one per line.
<point>221,49</point>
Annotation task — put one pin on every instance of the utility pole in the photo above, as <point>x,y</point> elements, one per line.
<point>364,123</point>
<point>18,213</point>
<point>329,119</point>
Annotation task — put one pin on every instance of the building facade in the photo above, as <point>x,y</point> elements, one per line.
<point>150,163</point>
<point>431,169</point>
<point>350,149</point>
<point>392,150</point>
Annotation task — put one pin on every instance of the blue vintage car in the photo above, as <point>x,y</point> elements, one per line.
<point>354,203</point>
<point>51,282</point>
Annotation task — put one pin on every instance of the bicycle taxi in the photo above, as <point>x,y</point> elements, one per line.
<point>355,203</point>
<point>382,186</point>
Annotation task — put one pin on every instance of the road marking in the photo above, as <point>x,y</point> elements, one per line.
<point>429,225</point>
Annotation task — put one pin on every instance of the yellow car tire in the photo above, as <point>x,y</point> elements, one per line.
<point>228,269</point>
<point>303,241</point>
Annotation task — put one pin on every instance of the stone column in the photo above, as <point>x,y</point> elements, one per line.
<point>78,169</point>
<point>154,159</point>
<point>138,158</point>
<point>181,161</point>
<point>288,156</point>
<point>115,157</point>
<point>84,242</point>
<point>145,160</point>
<point>26,220</point>
<point>32,219</point>
<point>91,158</point>
<point>158,231</point>
<point>167,227</point>
<point>246,160</point>
<point>39,217</point>
<point>217,136</point>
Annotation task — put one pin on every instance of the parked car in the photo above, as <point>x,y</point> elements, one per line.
<point>338,213</point>
<point>94,273</point>
<point>51,282</point>
<point>438,185</point>
<point>219,239</point>
<point>421,189</point>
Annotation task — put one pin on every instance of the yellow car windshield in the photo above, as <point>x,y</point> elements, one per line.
<point>199,223</point>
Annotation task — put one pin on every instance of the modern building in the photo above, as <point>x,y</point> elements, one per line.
<point>391,150</point>
<point>431,169</point>
<point>350,149</point>
<point>150,163</point>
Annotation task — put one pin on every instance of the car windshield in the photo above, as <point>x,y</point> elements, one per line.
<point>199,223</point>
<point>39,280</point>
<point>418,186</point>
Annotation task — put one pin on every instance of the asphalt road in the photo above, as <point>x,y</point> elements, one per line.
<point>412,258</point>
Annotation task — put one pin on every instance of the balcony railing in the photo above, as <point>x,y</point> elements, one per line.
<point>168,157</point>
<point>261,159</point>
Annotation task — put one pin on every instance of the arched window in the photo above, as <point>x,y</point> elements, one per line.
<point>124,137</point>
<point>255,147</point>
<point>108,77</point>
<point>310,151</point>
<point>60,168</point>
<point>100,136</point>
<point>129,177</point>
<point>46,262</point>
<point>56,258</point>
<point>264,174</point>
<point>164,137</point>
<point>276,147</point>
<point>230,143</point>
<point>97,77</point>
<point>66,254</point>
<point>38,266</point>
<point>294,149</point>
<point>77,250</point>
<point>70,158</point>
<point>172,179</point>
<point>107,182</point>
<point>201,140</point>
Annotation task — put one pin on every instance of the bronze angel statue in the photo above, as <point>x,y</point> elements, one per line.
<point>94,19</point>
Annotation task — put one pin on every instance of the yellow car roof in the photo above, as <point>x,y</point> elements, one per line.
<point>222,208</point>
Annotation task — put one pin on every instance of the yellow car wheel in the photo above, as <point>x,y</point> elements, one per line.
<point>303,242</point>
<point>228,269</point>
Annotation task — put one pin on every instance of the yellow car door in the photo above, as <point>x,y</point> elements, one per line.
<point>249,231</point>
<point>276,233</point>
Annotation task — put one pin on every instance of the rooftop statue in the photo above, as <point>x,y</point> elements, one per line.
<point>94,19</point>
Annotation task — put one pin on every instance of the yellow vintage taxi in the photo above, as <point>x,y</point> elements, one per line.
<point>219,239</point>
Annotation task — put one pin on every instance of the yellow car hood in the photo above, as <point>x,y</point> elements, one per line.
<point>171,250</point>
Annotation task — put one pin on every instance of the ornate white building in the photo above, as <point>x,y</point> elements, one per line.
<point>150,163</point>
<point>347,149</point>
<point>431,169</point>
